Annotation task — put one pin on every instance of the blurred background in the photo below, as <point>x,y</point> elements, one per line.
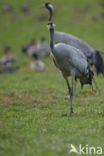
<point>22,21</point>
<point>33,96</point>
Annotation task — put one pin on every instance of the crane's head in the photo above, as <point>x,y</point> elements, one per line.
<point>48,6</point>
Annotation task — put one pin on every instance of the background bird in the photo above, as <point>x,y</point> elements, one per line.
<point>69,60</point>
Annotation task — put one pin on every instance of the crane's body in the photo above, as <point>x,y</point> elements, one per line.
<point>88,51</point>
<point>93,56</point>
<point>69,60</point>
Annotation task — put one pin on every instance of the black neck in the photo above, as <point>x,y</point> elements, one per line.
<point>51,30</point>
<point>51,38</point>
<point>50,14</point>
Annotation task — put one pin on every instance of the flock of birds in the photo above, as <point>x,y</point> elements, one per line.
<point>73,57</point>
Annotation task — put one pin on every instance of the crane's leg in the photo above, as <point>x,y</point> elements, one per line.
<point>74,89</point>
<point>92,87</point>
<point>70,94</point>
<point>97,88</point>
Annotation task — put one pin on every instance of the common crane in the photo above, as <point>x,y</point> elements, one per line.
<point>93,56</point>
<point>70,61</point>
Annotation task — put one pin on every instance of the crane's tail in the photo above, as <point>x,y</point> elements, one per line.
<point>99,63</point>
<point>90,77</point>
<point>87,79</point>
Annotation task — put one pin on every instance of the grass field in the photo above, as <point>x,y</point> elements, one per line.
<point>34,107</point>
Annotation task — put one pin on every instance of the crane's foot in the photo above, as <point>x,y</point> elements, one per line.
<point>71,112</point>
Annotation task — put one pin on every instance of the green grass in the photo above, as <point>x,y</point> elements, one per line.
<point>34,107</point>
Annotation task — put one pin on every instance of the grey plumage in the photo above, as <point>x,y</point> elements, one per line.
<point>69,60</point>
<point>61,37</point>
<point>93,56</point>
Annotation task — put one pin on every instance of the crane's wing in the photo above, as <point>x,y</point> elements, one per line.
<point>69,57</point>
<point>61,37</point>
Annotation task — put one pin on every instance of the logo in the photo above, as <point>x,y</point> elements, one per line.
<point>85,150</point>
<point>73,149</point>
